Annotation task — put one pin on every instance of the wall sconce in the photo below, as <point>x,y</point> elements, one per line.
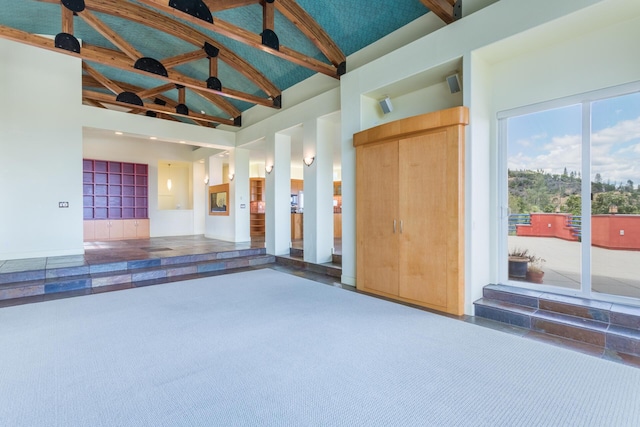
<point>169,184</point>
<point>206,179</point>
<point>269,168</point>
<point>231,176</point>
<point>308,160</point>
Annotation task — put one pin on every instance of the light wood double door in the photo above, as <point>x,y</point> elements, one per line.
<point>409,202</point>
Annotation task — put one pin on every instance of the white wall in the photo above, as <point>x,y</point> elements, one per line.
<point>488,26</point>
<point>422,100</point>
<point>507,76</point>
<point>176,222</point>
<point>40,153</point>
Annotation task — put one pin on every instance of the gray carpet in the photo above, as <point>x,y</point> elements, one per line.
<point>264,348</point>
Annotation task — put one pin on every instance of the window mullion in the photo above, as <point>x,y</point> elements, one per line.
<point>586,191</point>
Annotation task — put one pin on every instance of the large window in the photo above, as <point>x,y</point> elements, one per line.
<point>561,161</point>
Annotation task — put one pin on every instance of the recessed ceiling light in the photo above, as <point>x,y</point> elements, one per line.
<point>182,142</point>
<point>118,133</point>
<point>153,137</point>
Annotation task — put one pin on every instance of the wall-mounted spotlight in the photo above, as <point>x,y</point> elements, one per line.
<point>269,168</point>
<point>308,160</point>
<point>231,176</point>
<point>206,179</point>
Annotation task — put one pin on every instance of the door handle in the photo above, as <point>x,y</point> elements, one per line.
<point>401,226</point>
<point>394,226</point>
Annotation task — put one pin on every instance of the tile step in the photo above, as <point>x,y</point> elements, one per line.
<point>329,270</point>
<point>618,314</point>
<point>603,334</point>
<point>119,277</point>
<point>123,266</point>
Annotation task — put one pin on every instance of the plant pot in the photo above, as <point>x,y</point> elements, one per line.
<point>535,276</point>
<point>518,267</point>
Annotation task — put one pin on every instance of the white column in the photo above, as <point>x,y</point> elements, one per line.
<point>239,193</point>
<point>200,194</point>
<point>318,192</point>
<point>278,187</point>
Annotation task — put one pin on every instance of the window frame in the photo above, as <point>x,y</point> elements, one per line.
<point>585,100</point>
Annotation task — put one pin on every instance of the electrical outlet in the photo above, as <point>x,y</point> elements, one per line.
<point>63,204</point>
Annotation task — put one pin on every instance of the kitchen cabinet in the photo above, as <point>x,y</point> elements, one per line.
<point>410,210</point>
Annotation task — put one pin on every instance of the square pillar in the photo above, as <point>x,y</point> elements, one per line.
<point>278,188</point>
<point>318,191</point>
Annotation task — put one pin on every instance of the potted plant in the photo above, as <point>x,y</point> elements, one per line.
<point>525,265</point>
<point>518,262</point>
<point>534,270</point>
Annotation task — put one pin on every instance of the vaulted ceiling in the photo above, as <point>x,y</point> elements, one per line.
<point>206,61</point>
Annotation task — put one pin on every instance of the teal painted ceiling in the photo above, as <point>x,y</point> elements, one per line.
<point>351,24</point>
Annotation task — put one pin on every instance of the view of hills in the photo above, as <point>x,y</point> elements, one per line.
<point>538,191</point>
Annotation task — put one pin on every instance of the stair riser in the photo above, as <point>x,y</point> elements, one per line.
<point>123,266</point>
<point>572,310</point>
<point>119,277</point>
<point>503,316</point>
<point>613,327</point>
<point>623,344</point>
<point>567,331</point>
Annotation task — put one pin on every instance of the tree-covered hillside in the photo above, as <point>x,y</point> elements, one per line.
<point>538,191</point>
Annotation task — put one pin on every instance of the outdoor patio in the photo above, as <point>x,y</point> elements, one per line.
<point>615,272</point>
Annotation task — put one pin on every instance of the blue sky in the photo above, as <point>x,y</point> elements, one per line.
<point>551,140</point>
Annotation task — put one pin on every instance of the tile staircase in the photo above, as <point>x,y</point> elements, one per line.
<point>612,327</point>
<point>93,277</point>
<point>296,259</point>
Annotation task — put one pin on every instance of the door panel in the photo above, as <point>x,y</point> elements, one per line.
<point>377,207</point>
<point>425,190</point>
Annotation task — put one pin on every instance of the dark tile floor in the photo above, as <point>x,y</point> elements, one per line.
<point>159,247</point>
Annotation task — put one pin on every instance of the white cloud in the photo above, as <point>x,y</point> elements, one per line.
<point>623,131</point>
<point>609,158</point>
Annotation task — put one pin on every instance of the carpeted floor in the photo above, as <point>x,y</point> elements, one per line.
<point>263,348</point>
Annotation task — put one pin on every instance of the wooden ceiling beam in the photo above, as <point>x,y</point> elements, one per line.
<point>109,99</point>
<point>213,67</point>
<point>100,78</point>
<point>89,81</point>
<point>93,103</point>
<point>233,112</point>
<point>246,37</point>
<point>67,20</point>
<point>110,35</point>
<point>268,16</point>
<point>442,8</point>
<point>219,5</point>
<point>116,59</point>
<point>174,61</point>
<point>310,28</point>
<point>151,92</point>
<point>160,22</point>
